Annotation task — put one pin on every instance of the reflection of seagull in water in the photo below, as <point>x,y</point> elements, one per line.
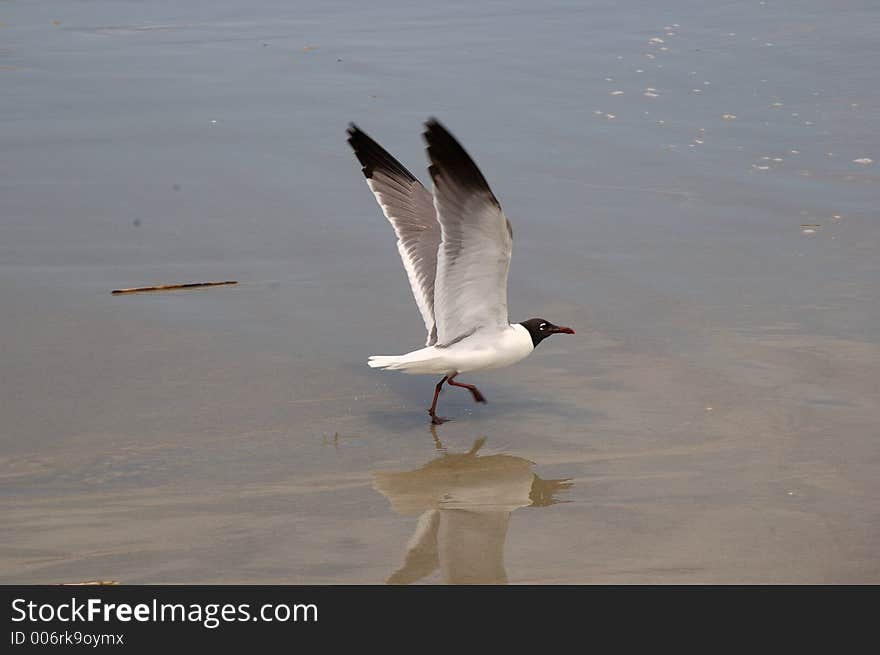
<point>464,501</point>
<point>455,246</point>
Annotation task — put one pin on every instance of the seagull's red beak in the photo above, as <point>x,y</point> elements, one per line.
<point>562,330</point>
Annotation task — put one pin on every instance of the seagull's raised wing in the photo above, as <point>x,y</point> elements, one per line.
<point>470,291</point>
<point>410,209</point>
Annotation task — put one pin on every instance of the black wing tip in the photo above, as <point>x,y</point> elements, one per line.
<point>355,134</point>
<point>361,144</point>
<point>435,131</point>
<point>374,157</point>
<point>449,158</point>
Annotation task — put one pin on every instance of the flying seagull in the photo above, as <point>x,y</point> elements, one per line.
<point>455,246</point>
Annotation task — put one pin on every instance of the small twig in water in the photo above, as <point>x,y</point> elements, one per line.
<point>168,287</point>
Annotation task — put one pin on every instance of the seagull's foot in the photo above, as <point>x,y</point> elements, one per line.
<point>437,420</point>
<point>478,397</point>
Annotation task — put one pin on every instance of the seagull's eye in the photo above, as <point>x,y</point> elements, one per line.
<point>542,326</point>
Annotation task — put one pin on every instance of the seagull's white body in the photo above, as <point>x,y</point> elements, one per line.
<point>483,350</point>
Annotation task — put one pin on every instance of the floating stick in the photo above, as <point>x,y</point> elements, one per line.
<point>168,287</point>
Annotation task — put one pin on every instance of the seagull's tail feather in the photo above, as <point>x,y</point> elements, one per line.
<point>418,361</point>
<point>384,361</point>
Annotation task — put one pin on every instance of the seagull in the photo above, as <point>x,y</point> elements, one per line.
<point>455,245</point>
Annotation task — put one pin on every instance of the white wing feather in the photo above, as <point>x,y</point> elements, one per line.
<point>409,208</point>
<point>470,290</point>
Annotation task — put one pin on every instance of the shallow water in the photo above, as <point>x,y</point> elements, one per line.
<point>714,420</point>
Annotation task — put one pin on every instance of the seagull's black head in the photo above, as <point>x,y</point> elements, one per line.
<point>541,329</point>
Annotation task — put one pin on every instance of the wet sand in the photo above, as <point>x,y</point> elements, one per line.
<point>714,419</point>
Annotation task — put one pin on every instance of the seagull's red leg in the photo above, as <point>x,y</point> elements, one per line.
<point>478,397</point>
<point>437,420</point>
